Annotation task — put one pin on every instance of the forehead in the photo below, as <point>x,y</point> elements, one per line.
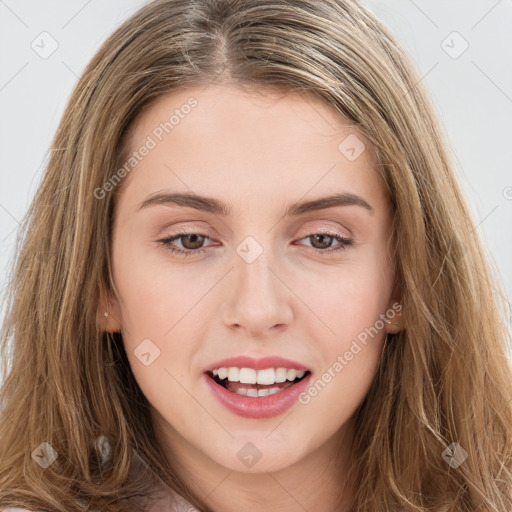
<point>235,144</point>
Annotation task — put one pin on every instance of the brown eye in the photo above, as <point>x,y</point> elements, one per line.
<point>191,242</point>
<point>321,241</point>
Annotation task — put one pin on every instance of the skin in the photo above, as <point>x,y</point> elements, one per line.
<point>257,152</point>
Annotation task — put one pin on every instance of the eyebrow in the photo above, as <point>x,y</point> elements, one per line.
<point>217,207</point>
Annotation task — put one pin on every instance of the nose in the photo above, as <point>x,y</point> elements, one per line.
<point>259,300</point>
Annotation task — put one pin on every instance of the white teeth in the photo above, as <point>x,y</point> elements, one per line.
<point>267,377</point>
<point>234,374</point>
<point>291,374</point>
<point>261,392</point>
<point>247,375</point>
<point>280,374</point>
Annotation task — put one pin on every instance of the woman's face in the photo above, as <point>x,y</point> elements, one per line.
<point>271,270</point>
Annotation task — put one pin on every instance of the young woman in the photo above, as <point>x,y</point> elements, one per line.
<point>249,281</point>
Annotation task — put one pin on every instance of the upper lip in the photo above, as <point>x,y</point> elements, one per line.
<point>257,364</point>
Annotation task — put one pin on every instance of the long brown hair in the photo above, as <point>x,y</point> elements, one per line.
<point>443,384</point>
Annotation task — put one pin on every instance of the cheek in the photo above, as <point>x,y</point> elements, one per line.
<point>159,321</point>
<point>155,294</point>
<point>349,355</point>
<point>351,299</point>
<point>351,303</point>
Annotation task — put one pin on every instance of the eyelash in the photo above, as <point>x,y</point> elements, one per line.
<point>166,242</point>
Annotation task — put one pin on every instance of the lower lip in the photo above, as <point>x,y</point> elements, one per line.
<point>258,407</point>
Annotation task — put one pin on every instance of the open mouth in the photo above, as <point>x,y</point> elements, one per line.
<point>256,389</point>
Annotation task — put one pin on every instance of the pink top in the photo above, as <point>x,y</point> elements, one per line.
<point>164,505</point>
<point>180,505</point>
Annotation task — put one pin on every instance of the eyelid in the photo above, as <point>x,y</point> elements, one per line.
<point>328,224</point>
<point>325,231</point>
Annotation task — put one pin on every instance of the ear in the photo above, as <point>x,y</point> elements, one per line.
<point>108,315</point>
<point>395,318</point>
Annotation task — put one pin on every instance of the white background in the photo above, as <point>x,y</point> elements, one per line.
<point>472,92</point>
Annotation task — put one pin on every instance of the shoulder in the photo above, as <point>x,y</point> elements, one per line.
<point>18,509</point>
<point>15,509</point>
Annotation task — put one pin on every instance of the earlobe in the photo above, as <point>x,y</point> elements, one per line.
<point>392,326</point>
<point>395,318</point>
<point>108,318</point>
